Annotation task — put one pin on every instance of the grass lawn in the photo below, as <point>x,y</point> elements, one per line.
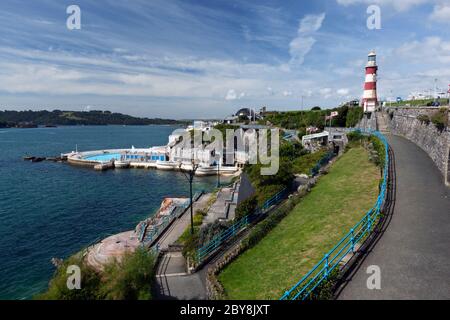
<point>301,239</point>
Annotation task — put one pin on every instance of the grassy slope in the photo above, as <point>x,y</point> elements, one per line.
<point>323,217</point>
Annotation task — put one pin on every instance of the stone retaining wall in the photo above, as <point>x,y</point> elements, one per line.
<point>404,122</point>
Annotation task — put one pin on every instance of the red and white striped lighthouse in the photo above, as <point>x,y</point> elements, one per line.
<point>370,99</point>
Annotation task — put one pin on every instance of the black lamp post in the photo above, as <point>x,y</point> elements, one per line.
<point>218,171</point>
<point>189,174</point>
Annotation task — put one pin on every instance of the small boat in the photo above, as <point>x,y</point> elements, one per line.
<point>29,158</point>
<point>167,165</point>
<point>119,164</point>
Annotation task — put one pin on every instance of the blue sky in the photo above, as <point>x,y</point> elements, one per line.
<point>208,58</point>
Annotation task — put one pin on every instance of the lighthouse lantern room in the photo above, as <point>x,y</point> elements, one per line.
<point>370,99</point>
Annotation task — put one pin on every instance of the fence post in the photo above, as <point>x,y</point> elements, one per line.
<point>353,240</point>
<point>216,242</point>
<point>326,265</point>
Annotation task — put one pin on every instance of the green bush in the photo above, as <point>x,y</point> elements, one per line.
<point>246,207</point>
<point>325,290</point>
<point>354,115</point>
<point>202,235</point>
<point>209,231</point>
<point>131,278</point>
<point>440,119</point>
<point>307,162</point>
<point>378,147</point>
<point>423,118</point>
<point>198,220</point>
<point>202,212</point>
<point>355,136</point>
<point>190,243</point>
<point>57,289</point>
<point>128,279</point>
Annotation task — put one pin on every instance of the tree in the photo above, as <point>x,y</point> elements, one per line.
<point>246,207</point>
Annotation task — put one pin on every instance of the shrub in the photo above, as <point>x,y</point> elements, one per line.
<point>131,278</point>
<point>190,242</point>
<point>202,212</point>
<point>355,136</point>
<point>202,235</point>
<point>128,279</point>
<point>440,119</point>
<point>380,153</point>
<point>354,115</point>
<point>209,231</point>
<point>57,289</point>
<point>198,220</point>
<point>306,163</point>
<point>423,118</point>
<point>246,207</point>
<point>325,290</point>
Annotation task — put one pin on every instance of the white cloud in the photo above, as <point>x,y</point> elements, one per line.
<point>343,92</point>
<point>428,50</point>
<point>441,13</point>
<point>287,93</point>
<point>299,48</point>
<point>326,92</point>
<point>399,5</point>
<point>233,95</point>
<point>303,43</point>
<point>311,23</point>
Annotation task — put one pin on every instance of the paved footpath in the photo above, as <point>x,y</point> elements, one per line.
<point>172,280</point>
<point>414,252</point>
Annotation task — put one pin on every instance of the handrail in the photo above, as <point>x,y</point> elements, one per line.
<point>323,161</point>
<point>220,238</point>
<point>320,272</point>
<point>235,228</point>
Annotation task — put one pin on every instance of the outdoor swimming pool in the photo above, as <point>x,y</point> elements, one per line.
<point>104,157</point>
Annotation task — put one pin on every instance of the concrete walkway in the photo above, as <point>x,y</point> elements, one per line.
<point>414,252</point>
<point>178,226</point>
<point>172,281</point>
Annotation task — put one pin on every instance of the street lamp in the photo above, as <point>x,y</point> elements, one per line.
<point>218,170</point>
<point>189,175</point>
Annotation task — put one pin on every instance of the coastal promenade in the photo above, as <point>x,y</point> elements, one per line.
<point>172,280</point>
<point>412,253</point>
<point>176,229</point>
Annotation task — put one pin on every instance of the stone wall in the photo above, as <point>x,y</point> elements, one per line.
<point>404,122</point>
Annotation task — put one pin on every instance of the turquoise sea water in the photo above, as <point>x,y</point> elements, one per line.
<point>53,210</point>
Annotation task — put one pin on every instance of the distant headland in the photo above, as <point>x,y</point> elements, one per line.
<point>32,119</point>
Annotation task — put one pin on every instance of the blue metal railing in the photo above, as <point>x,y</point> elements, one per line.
<point>274,200</point>
<point>219,239</point>
<point>235,228</point>
<point>325,159</point>
<point>320,272</point>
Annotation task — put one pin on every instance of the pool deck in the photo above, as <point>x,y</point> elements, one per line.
<point>98,157</point>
